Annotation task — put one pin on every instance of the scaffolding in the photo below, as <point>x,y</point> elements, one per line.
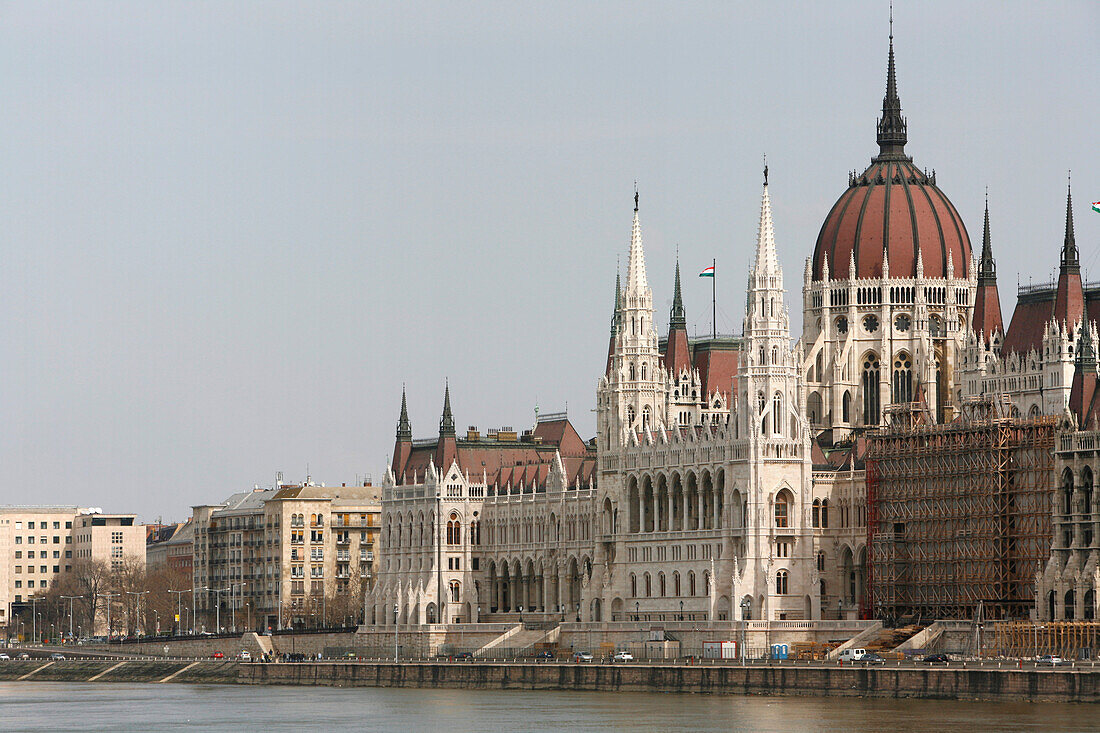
<point>959,515</point>
<point>1067,639</point>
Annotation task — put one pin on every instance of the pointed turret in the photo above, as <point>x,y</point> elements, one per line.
<point>676,356</point>
<point>447,422</point>
<point>987,303</point>
<point>447,448</point>
<point>403,446</point>
<point>892,129</point>
<point>1069,301</point>
<point>404,427</point>
<point>766,262</point>
<point>616,322</point>
<point>1083,390</point>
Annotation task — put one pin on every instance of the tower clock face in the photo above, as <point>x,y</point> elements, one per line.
<point>870,323</point>
<point>903,322</point>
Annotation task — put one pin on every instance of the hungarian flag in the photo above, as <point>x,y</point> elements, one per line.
<point>1096,206</point>
<point>709,272</point>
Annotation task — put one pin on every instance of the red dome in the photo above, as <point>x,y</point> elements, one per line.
<point>894,203</point>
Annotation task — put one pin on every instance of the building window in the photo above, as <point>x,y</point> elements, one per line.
<point>870,390</point>
<point>781,583</point>
<point>815,516</point>
<point>903,379</point>
<point>782,509</point>
<point>782,549</point>
<point>821,562</point>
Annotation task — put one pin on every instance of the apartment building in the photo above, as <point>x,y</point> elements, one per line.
<point>294,555</point>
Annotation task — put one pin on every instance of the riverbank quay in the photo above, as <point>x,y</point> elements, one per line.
<point>989,680</point>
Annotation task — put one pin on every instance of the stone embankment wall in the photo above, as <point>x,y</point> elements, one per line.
<point>1062,685</point>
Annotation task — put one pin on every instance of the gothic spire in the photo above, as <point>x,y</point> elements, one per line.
<point>1086,351</point>
<point>636,282</point>
<point>766,261</point>
<point>447,423</point>
<point>891,126</point>
<point>617,315</point>
<point>676,317</point>
<point>987,268</point>
<point>1070,260</point>
<point>404,427</point>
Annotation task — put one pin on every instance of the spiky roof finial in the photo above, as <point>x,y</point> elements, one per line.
<point>677,318</point>
<point>987,268</point>
<point>617,315</point>
<point>447,423</point>
<point>404,427</point>
<point>1070,258</point>
<point>892,133</point>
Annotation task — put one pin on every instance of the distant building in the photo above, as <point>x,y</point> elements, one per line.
<point>293,555</point>
<point>39,546</point>
<point>171,547</point>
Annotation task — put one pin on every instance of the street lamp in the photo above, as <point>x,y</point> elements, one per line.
<point>218,607</point>
<point>179,609</point>
<point>637,611</point>
<point>139,594</point>
<point>746,606</point>
<point>71,599</point>
<point>395,609</point>
<point>681,610</point>
<point>108,595</point>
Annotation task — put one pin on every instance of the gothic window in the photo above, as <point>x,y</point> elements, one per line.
<point>846,406</point>
<point>643,371</point>
<point>648,586</point>
<point>870,390</point>
<point>775,355</point>
<point>676,583</point>
<point>630,415</point>
<point>936,327</point>
<point>454,530</point>
<point>763,359</point>
<point>902,383</point>
<point>813,407</point>
<point>1086,491</point>
<point>819,371</point>
<point>783,509</point>
<point>661,584</point>
<point>781,583</point>
<point>816,513</point>
<point>870,323</point>
<point>824,513</point>
<point>632,372</point>
<point>903,322</point>
<point>633,585</point>
<point>821,563</point>
<point>777,412</point>
<point>456,591</point>
<point>1067,492</point>
<point>645,417</point>
<point>842,324</point>
<point>691,582</point>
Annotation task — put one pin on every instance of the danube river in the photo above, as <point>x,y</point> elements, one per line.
<point>45,706</point>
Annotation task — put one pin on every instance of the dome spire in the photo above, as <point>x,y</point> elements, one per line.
<point>1070,260</point>
<point>677,318</point>
<point>987,268</point>
<point>891,126</point>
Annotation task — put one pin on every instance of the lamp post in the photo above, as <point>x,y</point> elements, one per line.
<point>34,619</point>
<point>71,599</point>
<point>637,611</point>
<point>745,606</point>
<point>395,609</point>
<point>138,627</point>
<point>179,609</point>
<point>218,607</point>
<point>681,610</point>
<point>108,595</point>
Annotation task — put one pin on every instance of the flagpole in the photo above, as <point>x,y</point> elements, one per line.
<point>713,300</point>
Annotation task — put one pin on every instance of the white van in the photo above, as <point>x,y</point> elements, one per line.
<point>852,655</point>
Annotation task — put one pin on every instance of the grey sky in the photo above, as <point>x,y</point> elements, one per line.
<point>231,230</point>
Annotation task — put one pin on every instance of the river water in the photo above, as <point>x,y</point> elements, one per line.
<point>60,706</point>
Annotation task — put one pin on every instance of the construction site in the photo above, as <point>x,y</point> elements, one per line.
<point>959,518</point>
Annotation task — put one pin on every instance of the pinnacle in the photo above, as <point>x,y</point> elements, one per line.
<point>636,282</point>
<point>766,261</point>
<point>1069,245</point>
<point>677,318</point>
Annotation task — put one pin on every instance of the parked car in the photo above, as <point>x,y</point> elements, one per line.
<point>624,657</point>
<point>4,657</point>
<point>545,654</point>
<point>1050,660</point>
<point>24,655</point>
<point>872,658</point>
<point>582,656</point>
<point>935,659</point>
<point>217,655</point>
<point>464,656</point>
<point>244,656</point>
<point>57,656</point>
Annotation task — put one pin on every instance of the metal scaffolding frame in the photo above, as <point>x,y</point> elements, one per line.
<point>1067,639</point>
<point>959,514</point>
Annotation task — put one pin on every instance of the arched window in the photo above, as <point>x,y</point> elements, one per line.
<point>454,530</point>
<point>633,585</point>
<point>775,355</point>
<point>645,417</point>
<point>902,383</point>
<point>824,513</point>
<point>763,358</point>
<point>816,514</point>
<point>630,415</point>
<point>643,371</point>
<point>1067,492</point>
<point>632,373</point>
<point>706,582</point>
<point>456,591</point>
<point>676,583</point>
<point>475,532</point>
<point>813,408</point>
<point>820,364</point>
<point>870,390</point>
<point>820,561</point>
<point>691,582</point>
<point>777,413</point>
<point>1086,491</point>
<point>846,406</point>
<point>648,586</point>
<point>781,583</point>
<point>783,509</point>
<point>661,584</point>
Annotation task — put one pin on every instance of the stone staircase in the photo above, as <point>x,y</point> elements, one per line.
<point>889,640</point>
<point>518,639</point>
